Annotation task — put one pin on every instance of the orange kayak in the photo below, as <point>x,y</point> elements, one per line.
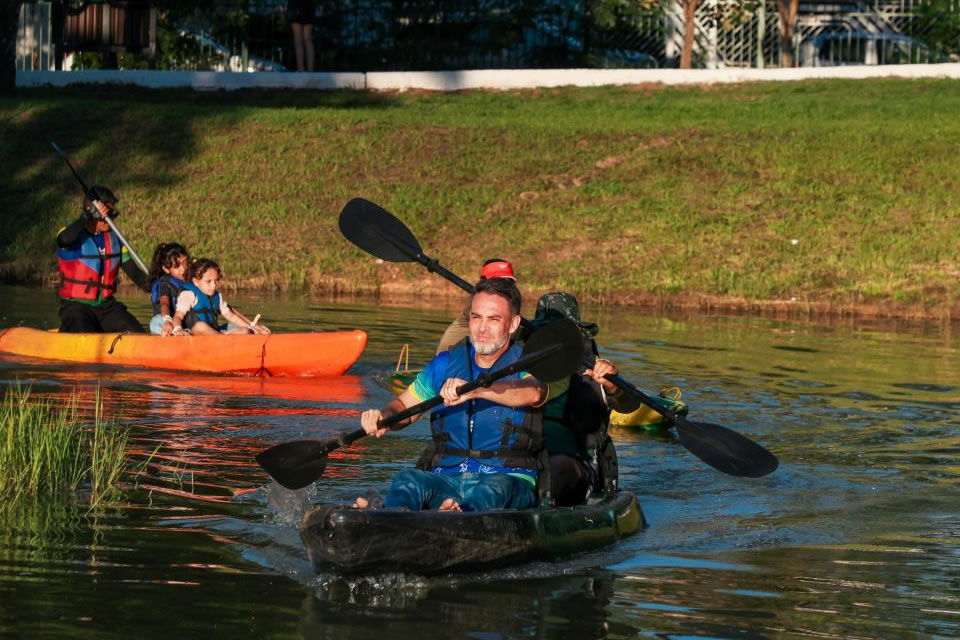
<point>275,354</point>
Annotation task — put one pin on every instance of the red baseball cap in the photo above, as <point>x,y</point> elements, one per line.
<point>497,269</point>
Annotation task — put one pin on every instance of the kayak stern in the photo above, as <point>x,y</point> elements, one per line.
<point>354,541</point>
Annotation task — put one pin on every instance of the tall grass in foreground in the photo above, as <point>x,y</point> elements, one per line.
<point>46,450</point>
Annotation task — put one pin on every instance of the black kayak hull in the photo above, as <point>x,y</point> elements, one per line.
<point>352,541</point>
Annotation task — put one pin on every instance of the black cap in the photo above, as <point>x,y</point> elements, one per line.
<point>103,194</point>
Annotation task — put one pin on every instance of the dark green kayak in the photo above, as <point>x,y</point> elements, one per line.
<point>350,541</point>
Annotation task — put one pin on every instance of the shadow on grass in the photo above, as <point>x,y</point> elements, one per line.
<point>135,141</point>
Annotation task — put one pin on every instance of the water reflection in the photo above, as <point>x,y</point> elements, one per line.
<point>575,606</point>
<point>854,536</point>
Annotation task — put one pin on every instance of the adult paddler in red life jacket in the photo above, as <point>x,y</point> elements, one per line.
<point>89,259</point>
<point>487,445</point>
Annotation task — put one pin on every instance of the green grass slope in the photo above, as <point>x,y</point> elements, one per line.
<point>820,195</point>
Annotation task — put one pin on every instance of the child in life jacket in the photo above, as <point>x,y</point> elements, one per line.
<point>200,304</point>
<point>167,274</point>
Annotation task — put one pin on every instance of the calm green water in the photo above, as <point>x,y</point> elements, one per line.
<point>855,536</point>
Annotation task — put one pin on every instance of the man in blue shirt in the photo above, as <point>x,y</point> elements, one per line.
<point>488,443</point>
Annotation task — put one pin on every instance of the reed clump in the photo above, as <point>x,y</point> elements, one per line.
<point>47,449</point>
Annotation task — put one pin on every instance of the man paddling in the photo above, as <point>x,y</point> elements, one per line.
<point>487,444</point>
<point>89,258</point>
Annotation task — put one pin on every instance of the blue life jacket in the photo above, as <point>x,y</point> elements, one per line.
<point>206,310</point>
<point>166,285</point>
<point>493,434</point>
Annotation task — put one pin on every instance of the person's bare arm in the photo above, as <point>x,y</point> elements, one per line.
<point>185,302</point>
<point>166,312</point>
<point>237,318</point>
<point>370,418</point>
<point>523,392</point>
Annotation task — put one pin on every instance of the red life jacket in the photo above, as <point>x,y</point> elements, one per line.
<point>85,272</point>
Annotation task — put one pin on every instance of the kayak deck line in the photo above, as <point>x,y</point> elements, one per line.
<point>355,541</point>
<point>263,360</point>
<point>290,354</point>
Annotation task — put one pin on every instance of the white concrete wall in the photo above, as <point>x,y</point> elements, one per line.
<point>479,79</point>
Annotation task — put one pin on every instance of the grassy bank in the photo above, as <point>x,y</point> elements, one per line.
<point>837,195</point>
<point>46,450</point>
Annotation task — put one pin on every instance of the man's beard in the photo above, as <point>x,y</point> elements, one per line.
<point>490,346</point>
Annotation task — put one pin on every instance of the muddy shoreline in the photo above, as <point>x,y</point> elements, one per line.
<point>440,293</point>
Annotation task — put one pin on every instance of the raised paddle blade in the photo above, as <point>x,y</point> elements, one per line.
<point>378,232</point>
<point>563,341</point>
<point>726,450</point>
<point>295,464</point>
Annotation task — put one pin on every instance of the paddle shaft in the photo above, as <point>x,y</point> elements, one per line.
<point>252,323</point>
<point>433,266</point>
<point>133,253</point>
<point>622,384</point>
<point>92,197</point>
<point>483,380</point>
<point>362,221</point>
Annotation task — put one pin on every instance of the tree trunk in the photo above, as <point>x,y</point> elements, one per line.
<point>9,16</point>
<point>689,32</point>
<point>788,19</point>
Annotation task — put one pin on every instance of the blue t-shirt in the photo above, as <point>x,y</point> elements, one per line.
<point>428,384</point>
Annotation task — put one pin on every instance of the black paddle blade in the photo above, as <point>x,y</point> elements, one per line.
<point>564,336</point>
<point>378,232</point>
<point>295,464</point>
<point>726,450</point>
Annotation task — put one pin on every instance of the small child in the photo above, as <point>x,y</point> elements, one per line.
<point>200,304</point>
<point>167,273</point>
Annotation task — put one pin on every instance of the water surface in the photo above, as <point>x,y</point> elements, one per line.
<point>855,536</point>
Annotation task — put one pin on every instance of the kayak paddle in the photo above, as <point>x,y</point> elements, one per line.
<point>379,233</point>
<point>723,449</point>
<point>92,197</point>
<point>553,353</point>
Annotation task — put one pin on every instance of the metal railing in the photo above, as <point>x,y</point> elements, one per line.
<point>385,35</point>
<point>34,38</point>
